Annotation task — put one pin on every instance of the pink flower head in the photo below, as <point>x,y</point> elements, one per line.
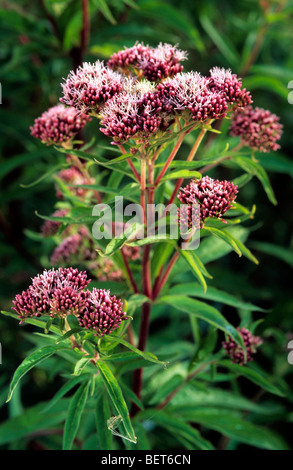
<point>154,64</point>
<point>49,291</point>
<point>230,85</point>
<point>105,270</point>
<point>67,251</point>
<point>75,248</point>
<point>89,87</point>
<point>236,352</point>
<point>72,176</point>
<point>103,313</point>
<point>162,62</point>
<point>58,125</point>
<point>189,93</point>
<point>137,113</point>
<point>214,197</point>
<point>51,227</point>
<point>258,128</point>
<point>128,58</point>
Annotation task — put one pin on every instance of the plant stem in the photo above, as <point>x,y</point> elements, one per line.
<point>170,158</point>
<point>134,170</point>
<point>160,283</point>
<point>147,290</point>
<point>189,159</point>
<point>85,32</point>
<point>142,189</point>
<point>129,272</point>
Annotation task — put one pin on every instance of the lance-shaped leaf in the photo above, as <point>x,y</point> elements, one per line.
<point>203,311</point>
<point>117,398</point>
<point>31,361</point>
<point>146,355</point>
<point>237,245</point>
<point>196,267</point>
<point>75,410</point>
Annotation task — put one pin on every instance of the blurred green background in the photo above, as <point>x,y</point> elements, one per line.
<point>40,43</point>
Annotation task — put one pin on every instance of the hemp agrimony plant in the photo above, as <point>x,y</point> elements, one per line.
<point>125,303</point>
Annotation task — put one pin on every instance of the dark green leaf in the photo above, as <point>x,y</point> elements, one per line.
<point>75,410</point>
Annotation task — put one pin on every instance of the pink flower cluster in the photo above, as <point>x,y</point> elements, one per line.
<point>257,127</point>
<point>189,93</point>
<point>72,176</point>
<point>227,83</point>
<point>213,196</point>
<point>102,312</point>
<point>58,125</point>
<point>61,292</point>
<point>54,292</point>
<point>133,114</point>
<point>51,227</point>
<point>90,86</point>
<point>78,248</point>
<point>155,64</point>
<point>141,89</point>
<point>236,352</point>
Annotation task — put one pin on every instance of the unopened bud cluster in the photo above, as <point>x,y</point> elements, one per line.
<point>236,352</point>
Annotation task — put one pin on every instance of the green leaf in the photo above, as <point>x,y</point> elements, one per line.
<point>280,252</point>
<point>235,427</point>
<point>211,249</point>
<point>194,290</point>
<point>256,376</point>
<point>136,300</point>
<point>75,410</point>
<point>31,361</point>
<point>102,414</point>
<point>220,42</point>
<point>174,18</point>
<point>161,253</point>
<point>146,355</point>
<point>266,82</point>
<point>152,240</point>
<point>68,385</point>
<point>30,421</point>
<point>122,157</point>
<point>105,10</point>
<point>80,365</point>
<point>116,243</point>
<point>73,27</point>
<point>252,167</point>
<point>237,245</point>
<point>45,175</point>
<point>203,311</point>
<point>33,321</point>
<point>117,398</point>
<point>196,266</point>
<point>178,428</point>
<point>186,174</point>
